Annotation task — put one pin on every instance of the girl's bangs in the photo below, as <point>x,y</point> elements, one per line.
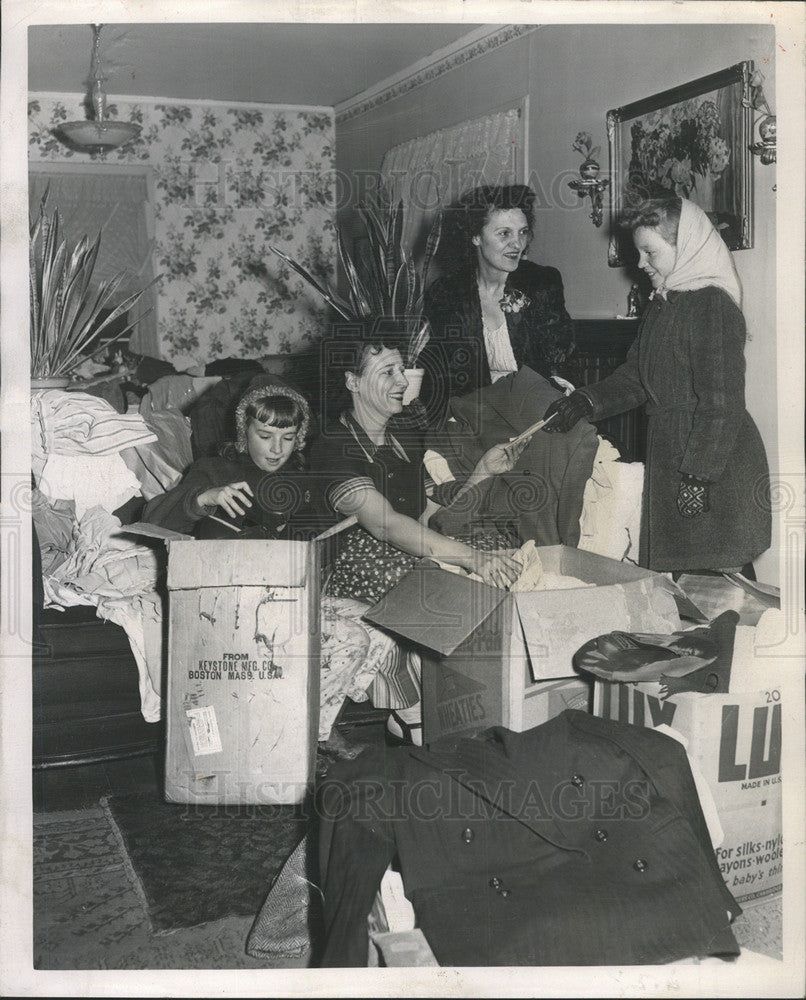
<point>279,411</point>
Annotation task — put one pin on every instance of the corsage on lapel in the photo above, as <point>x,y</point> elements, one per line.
<point>514,300</point>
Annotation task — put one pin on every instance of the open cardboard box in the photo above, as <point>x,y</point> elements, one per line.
<point>488,654</point>
<point>243,669</point>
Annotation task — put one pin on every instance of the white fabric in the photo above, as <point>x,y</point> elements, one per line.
<point>610,522</point>
<point>437,468</point>
<point>433,170</point>
<point>76,423</point>
<point>500,356</point>
<point>703,258</point>
<point>90,480</point>
<point>118,576</point>
<point>141,619</point>
<point>399,911</point>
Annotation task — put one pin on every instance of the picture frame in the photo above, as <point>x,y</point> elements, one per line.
<point>693,139</point>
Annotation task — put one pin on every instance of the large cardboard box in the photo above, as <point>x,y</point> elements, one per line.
<point>495,658</point>
<point>735,741</point>
<point>243,671</point>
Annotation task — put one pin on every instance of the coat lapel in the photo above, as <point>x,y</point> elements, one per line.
<point>483,767</point>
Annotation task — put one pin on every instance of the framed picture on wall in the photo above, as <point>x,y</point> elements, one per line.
<point>694,140</point>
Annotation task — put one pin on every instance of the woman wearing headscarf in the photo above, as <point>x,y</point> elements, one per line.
<point>706,492</point>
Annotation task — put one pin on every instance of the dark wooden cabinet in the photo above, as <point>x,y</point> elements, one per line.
<point>602,345</point>
<point>86,699</point>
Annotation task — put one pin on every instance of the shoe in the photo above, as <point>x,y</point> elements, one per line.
<point>402,733</point>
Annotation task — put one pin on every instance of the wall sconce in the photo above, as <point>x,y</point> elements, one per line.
<point>766,150</point>
<point>97,134</point>
<point>589,172</point>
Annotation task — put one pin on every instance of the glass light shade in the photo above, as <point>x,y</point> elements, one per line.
<point>100,136</point>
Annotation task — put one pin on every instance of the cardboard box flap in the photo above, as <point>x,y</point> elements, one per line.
<point>435,608</point>
<point>146,530</point>
<point>236,563</point>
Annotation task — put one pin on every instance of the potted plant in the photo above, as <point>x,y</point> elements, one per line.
<point>583,144</point>
<point>67,312</point>
<point>388,284</point>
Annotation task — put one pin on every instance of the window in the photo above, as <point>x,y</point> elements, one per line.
<point>118,202</point>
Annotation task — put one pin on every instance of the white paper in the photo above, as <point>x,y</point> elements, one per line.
<point>203,727</point>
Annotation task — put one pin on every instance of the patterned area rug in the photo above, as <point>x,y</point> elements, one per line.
<point>89,912</point>
<point>193,864</point>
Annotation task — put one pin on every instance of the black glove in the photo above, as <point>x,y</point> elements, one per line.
<point>692,496</point>
<point>570,410</point>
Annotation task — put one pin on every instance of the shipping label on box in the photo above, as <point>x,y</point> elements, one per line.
<point>243,671</point>
<point>736,741</point>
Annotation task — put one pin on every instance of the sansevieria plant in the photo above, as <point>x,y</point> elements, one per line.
<point>389,283</point>
<point>66,309</point>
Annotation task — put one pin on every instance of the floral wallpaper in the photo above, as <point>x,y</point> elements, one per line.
<point>230,181</point>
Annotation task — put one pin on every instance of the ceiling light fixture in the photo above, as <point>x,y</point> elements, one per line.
<point>97,134</point>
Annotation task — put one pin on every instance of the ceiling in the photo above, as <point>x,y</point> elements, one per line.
<point>290,63</point>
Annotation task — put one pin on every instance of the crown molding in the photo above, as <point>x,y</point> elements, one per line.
<point>471,46</point>
<point>79,98</point>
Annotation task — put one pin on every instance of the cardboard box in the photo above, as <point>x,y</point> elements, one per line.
<point>735,740</point>
<point>243,671</point>
<point>487,654</point>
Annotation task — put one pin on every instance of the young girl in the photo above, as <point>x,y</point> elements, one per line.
<point>236,494</point>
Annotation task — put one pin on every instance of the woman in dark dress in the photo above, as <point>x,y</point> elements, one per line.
<point>493,311</point>
<point>706,494</point>
<point>367,471</point>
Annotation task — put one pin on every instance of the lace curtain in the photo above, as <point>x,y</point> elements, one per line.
<point>435,169</point>
<point>117,205</point>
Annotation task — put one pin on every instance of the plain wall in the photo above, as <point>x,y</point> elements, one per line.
<point>572,75</point>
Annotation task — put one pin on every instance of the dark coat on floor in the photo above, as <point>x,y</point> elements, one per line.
<point>578,842</point>
<point>687,364</point>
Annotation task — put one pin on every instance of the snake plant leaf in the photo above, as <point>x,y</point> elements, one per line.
<point>358,295</point>
<point>431,247</point>
<point>327,293</point>
<point>394,232</point>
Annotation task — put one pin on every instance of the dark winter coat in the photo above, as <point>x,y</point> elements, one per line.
<point>579,842</point>
<point>687,365</point>
<point>455,360</point>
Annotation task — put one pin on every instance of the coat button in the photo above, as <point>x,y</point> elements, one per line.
<point>600,835</point>
<point>467,835</point>
<point>640,865</point>
<point>495,883</point>
<point>578,780</point>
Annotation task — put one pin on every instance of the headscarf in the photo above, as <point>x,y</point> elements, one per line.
<point>703,258</point>
<point>267,391</point>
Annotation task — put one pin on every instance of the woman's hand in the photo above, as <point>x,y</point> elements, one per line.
<point>233,498</point>
<point>499,459</point>
<point>499,568</point>
<point>567,411</point>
